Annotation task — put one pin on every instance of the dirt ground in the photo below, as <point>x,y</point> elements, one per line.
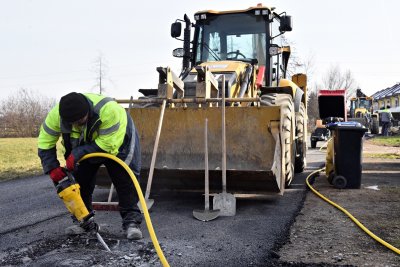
<point>323,236</point>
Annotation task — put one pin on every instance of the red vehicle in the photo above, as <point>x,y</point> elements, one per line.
<point>332,104</point>
<point>332,107</point>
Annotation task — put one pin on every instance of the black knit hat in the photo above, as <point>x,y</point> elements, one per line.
<point>73,107</point>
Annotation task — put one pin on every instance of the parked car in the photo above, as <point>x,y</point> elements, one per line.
<point>319,134</point>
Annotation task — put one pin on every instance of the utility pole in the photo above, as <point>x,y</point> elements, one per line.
<point>100,74</point>
<point>100,68</point>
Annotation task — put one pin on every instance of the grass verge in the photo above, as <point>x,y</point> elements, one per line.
<point>18,158</point>
<point>382,156</point>
<point>386,140</point>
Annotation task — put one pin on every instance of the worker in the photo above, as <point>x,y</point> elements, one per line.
<point>91,123</point>
<point>386,118</point>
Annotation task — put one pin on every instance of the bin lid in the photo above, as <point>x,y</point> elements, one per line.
<point>347,125</point>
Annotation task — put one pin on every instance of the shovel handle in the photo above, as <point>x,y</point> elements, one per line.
<point>153,157</point>
<point>110,193</point>
<point>206,184</point>
<point>223,138</point>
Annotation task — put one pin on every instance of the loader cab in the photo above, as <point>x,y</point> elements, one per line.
<point>239,37</point>
<point>250,36</point>
<point>359,106</point>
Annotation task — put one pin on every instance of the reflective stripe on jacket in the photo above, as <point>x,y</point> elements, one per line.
<point>108,129</point>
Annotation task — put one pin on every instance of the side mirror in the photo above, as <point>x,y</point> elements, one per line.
<point>176,29</point>
<point>178,52</point>
<point>286,24</point>
<point>274,50</point>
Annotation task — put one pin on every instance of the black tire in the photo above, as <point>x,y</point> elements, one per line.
<point>375,126</point>
<point>301,145</point>
<point>285,101</point>
<point>339,182</point>
<point>313,144</point>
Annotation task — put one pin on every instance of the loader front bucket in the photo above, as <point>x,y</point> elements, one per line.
<point>254,153</point>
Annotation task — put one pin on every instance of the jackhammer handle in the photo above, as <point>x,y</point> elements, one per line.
<point>64,182</point>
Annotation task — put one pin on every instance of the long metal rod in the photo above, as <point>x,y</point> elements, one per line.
<point>187,100</point>
<point>110,193</point>
<point>102,242</point>
<point>223,138</point>
<point>206,185</point>
<point>153,158</point>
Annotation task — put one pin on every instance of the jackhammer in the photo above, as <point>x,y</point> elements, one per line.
<point>69,191</point>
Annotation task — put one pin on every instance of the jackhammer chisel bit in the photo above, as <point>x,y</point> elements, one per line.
<point>101,240</point>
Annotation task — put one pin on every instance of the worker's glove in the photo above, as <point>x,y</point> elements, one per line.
<point>70,163</point>
<point>89,225</point>
<point>57,174</point>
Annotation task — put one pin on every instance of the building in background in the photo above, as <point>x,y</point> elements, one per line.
<point>389,96</point>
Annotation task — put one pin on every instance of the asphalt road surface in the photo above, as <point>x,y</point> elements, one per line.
<point>33,221</point>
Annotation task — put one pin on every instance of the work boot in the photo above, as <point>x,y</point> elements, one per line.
<point>76,229</point>
<point>133,232</point>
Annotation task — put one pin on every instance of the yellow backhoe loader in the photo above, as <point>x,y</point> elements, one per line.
<point>361,110</point>
<point>266,125</point>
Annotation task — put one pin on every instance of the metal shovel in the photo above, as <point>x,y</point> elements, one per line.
<point>206,214</point>
<point>150,202</point>
<point>224,201</point>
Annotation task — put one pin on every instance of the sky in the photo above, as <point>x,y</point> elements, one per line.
<point>51,46</point>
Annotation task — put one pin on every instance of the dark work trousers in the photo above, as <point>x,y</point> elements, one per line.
<point>385,128</point>
<point>85,175</point>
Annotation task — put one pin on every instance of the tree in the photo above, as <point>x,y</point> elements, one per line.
<point>100,69</point>
<point>22,114</point>
<point>298,64</point>
<point>335,79</point>
<point>312,108</point>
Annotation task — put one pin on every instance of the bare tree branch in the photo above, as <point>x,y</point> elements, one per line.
<point>296,63</point>
<point>335,79</point>
<point>22,114</point>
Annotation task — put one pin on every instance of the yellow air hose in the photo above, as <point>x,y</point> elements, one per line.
<point>325,144</point>
<point>389,246</point>
<point>153,237</point>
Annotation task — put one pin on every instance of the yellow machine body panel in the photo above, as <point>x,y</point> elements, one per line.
<point>251,148</point>
<point>227,66</point>
<point>260,7</point>
<point>360,112</point>
<point>288,83</point>
<point>300,80</point>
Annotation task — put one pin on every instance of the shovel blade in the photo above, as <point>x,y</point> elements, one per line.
<point>149,204</point>
<point>205,215</point>
<point>226,203</point>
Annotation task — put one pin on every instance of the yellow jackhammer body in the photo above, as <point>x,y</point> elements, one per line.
<point>69,191</point>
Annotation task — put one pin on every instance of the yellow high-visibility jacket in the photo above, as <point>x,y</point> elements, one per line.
<point>109,129</point>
